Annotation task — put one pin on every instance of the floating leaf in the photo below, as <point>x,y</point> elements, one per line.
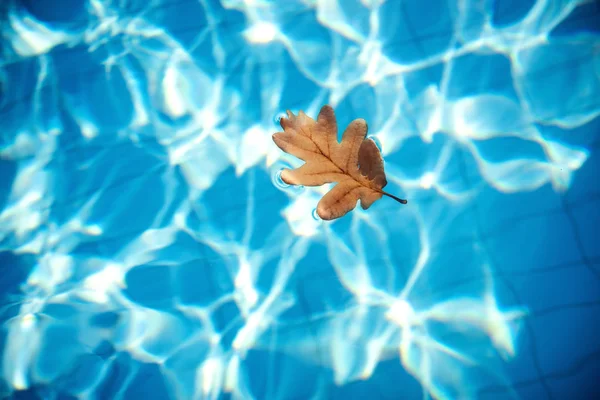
<point>355,163</point>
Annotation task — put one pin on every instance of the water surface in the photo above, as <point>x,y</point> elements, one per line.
<point>149,249</point>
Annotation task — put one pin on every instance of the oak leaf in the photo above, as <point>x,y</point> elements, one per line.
<point>355,163</point>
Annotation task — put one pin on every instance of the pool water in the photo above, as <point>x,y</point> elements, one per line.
<point>149,247</point>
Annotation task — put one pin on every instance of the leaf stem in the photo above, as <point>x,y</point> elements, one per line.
<point>399,200</point>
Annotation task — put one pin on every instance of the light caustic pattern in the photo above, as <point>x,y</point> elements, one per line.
<point>140,194</point>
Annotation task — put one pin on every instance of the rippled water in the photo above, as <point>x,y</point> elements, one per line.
<point>149,248</point>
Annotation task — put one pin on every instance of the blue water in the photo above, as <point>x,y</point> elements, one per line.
<point>149,249</point>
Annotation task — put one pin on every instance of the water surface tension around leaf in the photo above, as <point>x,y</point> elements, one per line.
<point>355,163</point>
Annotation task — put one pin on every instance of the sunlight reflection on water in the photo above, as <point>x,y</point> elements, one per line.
<point>146,189</point>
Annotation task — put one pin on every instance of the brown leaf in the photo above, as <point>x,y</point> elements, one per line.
<point>355,163</point>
